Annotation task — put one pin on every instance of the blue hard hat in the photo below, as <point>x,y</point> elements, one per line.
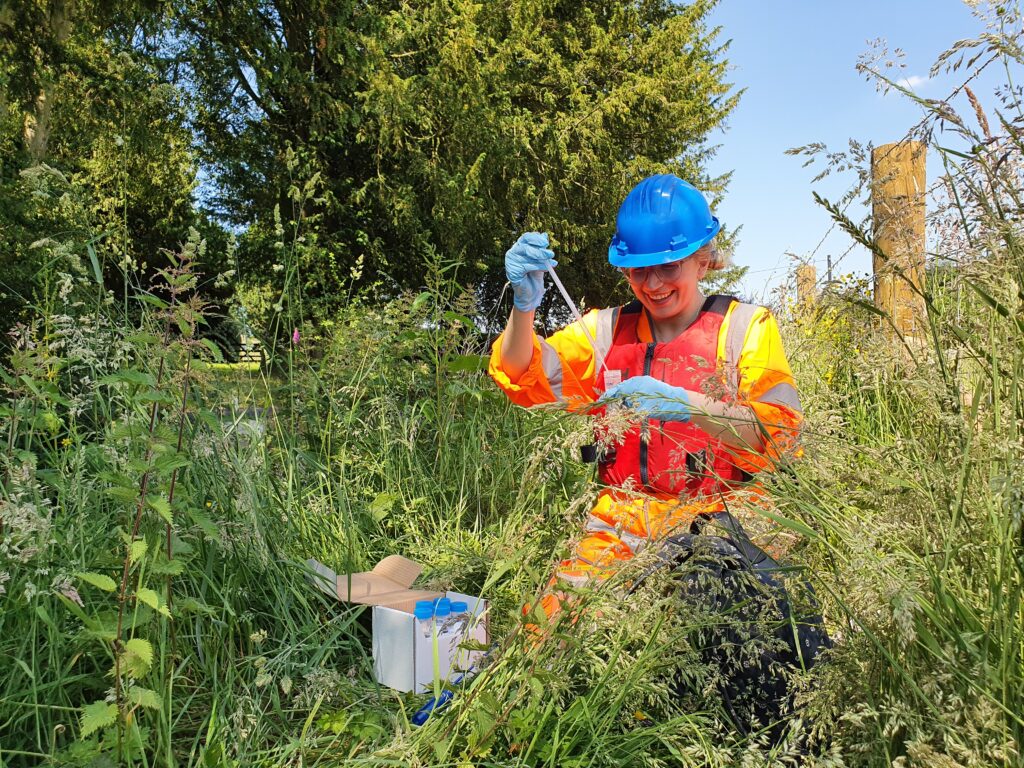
<point>662,219</point>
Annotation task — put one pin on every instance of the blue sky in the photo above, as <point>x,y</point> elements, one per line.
<point>797,61</point>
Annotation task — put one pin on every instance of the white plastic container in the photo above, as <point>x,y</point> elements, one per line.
<point>403,654</point>
<point>403,658</point>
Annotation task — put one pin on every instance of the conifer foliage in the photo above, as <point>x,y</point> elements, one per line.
<point>446,125</point>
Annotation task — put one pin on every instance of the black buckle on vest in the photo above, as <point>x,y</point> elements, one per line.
<point>594,454</point>
<point>696,463</point>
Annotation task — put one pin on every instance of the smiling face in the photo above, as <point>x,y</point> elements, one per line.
<point>669,292</point>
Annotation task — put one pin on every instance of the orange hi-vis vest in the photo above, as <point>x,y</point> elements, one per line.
<point>669,457</point>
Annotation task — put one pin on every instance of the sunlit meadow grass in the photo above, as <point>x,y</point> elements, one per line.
<point>157,504</point>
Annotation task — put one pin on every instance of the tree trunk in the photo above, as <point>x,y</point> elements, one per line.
<point>36,126</point>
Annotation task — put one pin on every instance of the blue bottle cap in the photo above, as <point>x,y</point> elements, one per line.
<point>460,607</point>
<point>442,610</point>
<point>424,609</point>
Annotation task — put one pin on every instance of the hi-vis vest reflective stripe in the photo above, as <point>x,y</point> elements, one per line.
<point>669,457</point>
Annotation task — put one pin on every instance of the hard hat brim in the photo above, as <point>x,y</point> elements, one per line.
<point>619,259</point>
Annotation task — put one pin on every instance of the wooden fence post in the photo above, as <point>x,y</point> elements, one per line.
<point>898,214</point>
<point>806,284</point>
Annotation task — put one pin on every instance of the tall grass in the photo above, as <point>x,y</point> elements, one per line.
<point>198,490</point>
<point>913,481</point>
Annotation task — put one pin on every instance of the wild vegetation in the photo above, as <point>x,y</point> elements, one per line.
<point>158,503</point>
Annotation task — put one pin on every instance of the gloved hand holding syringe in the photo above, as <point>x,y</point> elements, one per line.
<point>525,264</point>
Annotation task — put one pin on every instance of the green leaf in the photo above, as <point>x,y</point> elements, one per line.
<point>139,654</point>
<point>26,670</point>
<point>153,301</point>
<point>162,507</point>
<point>143,338</point>
<point>955,153</point>
<point>998,306</point>
<point>96,271</point>
<point>75,609</point>
<point>867,305</point>
<point>213,349</point>
<point>171,460</point>
<point>97,715</point>
<point>33,386</point>
<point>128,376</point>
<point>791,524</point>
<point>206,525</point>
<point>382,505</point>
<point>153,600</point>
<point>156,396</point>
<point>99,580</point>
<point>483,726</point>
<point>456,318</point>
<point>539,691</point>
<point>422,299</point>
<point>102,626</point>
<point>137,550</point>
<point>143,697</point>
<point>122,493</point>
<point>165,567</point>
<point>460,363</point>
<point>191,605</point>
<point>149,597</point>
<point>138,466</point>
<point>44,614</point>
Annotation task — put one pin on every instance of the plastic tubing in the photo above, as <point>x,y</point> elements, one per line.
<point>576,314</point>
<point>572,306</point>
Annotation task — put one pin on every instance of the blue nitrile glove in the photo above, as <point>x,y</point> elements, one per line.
<point>525,263</point>
<point>653,397</point>
<point>434,705</point>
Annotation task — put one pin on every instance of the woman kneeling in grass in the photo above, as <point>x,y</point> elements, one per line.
<point>705,380</point>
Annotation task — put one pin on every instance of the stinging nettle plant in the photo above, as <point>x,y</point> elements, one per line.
<point>147,442</point>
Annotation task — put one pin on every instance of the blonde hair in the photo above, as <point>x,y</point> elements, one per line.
<point>716,259</point>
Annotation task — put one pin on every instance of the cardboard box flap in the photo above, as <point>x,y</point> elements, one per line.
<point>406,600</point>
<point>371,588</point>
<point>387,584</point>
<point>398,569</point>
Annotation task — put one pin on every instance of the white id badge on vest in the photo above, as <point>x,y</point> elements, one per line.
<point>611,379</point>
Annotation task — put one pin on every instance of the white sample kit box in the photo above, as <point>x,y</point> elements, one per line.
<point>404,656</point>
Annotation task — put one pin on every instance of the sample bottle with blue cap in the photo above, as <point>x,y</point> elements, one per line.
<point>460,617</point>
<point>424,613</point>
<point>442,611</point>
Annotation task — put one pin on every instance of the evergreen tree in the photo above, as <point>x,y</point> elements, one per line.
<point>94,146</point>
<point>406,130</point>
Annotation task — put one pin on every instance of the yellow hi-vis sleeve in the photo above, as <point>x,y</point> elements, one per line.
<point>766,386</point>
<point>561,368</point>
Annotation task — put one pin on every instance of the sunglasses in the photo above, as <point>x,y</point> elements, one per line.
<point>665,272</point>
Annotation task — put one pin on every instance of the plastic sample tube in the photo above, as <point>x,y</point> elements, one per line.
<point>572,305</point>
<point>424,613</point>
